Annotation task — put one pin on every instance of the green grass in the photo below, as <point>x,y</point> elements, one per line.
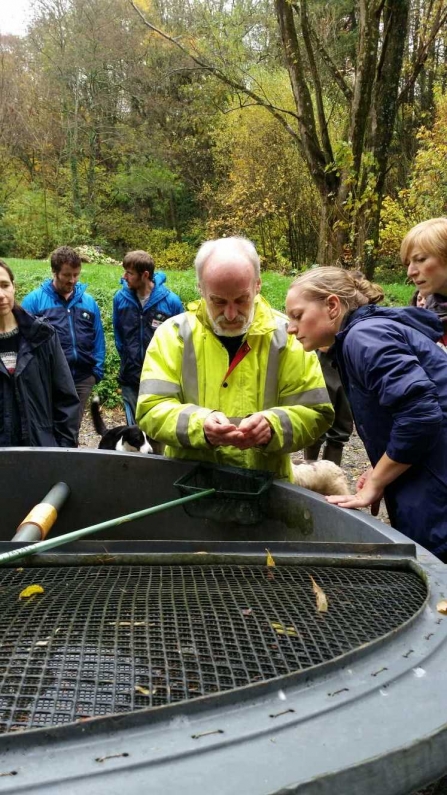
<point>104,280</point>
<point>398,294</point>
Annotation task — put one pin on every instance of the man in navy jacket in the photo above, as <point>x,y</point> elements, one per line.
<point>75,315</point>
<point>142,304</point>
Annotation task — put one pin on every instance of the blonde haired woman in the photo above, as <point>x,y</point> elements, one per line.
<point>395,377</point>
<point>424,253</point>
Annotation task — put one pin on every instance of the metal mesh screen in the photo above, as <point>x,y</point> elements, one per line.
<point>119,638</point>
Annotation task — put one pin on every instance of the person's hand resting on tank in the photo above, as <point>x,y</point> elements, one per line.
<point>371,485</point>
<point>368,493</point>
<point>253,431</point>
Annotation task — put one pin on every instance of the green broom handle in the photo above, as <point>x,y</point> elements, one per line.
<point>50,543</point>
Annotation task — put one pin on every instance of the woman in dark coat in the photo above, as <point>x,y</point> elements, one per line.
<point>395,377</point>
<point>39,406</point>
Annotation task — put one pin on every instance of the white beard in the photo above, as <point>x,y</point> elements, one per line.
<point>228,332</point>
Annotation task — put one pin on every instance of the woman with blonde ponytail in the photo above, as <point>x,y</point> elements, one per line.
<point>395,377</point>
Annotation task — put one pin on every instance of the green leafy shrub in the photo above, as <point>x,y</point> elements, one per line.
<point>397,294</point>
<point>158,240</point>
<point>125,231</point>
<point>40,223</point>
<point>178,257</point>
<point>390,271</point>
<point>7,239</point>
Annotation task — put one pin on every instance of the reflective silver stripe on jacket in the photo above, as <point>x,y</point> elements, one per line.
<point>190,378</point>
<point>310,398</point>
<point>182,425</point>
<point>277,345</point>
<point>155,386</point>
<point>287,429</point>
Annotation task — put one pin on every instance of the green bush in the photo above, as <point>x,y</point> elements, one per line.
<point>158,240</point>
<point>397,294</point>
<point>40,223</point>
<point>177,257</point>
<point>124,231</point>
<point>6,235</point>
<point>390,272</point>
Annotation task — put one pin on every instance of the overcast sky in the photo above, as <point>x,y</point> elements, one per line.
<point>14,16</point>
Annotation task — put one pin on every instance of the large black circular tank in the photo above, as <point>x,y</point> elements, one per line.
<point>170,655</point>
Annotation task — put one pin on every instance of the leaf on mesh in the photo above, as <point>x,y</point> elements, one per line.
<point>321,598</point>
<point>31,590</point>
<point>281,629</point>
<point>145,691</point>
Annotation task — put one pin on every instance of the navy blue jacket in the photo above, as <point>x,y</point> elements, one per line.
<point>134,325</point>
<point>78,324</point>
<point>395,377</point>
<point>40,398</point>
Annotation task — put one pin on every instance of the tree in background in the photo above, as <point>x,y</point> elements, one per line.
<point>254,192</point>
<point>345,52</point>
<point>96,124</point>
<point>426,194</point>
<point>288,122</point>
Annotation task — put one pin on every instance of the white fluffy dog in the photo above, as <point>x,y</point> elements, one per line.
<point>324,477</point>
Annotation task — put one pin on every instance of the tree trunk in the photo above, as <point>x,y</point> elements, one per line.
<point>332,238</point>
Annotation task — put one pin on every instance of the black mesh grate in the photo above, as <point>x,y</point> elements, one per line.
<point>121,638</point>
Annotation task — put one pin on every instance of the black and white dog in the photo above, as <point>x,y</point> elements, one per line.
<point>124,438</point>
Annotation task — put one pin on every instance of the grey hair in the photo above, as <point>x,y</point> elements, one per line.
<point>210,246</point>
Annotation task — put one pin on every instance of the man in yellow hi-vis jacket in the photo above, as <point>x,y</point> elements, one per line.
<point>224,382</point>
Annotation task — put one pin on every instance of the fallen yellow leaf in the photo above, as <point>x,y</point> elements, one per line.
<point>145,690</point>
<point>269,561</point>
<point>441,607</point>
<point>280,629</point>
<point>321,598</point>
<point>30,591</point>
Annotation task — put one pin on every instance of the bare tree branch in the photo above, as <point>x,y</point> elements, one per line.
<point>278,114</point>
<point>330,65</point>
<point>424,49</point>
<point>313,153</point>
<point>327,148</point>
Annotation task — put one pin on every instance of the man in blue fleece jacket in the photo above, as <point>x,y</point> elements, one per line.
<point>142,304</point>
<point>75,316</point>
